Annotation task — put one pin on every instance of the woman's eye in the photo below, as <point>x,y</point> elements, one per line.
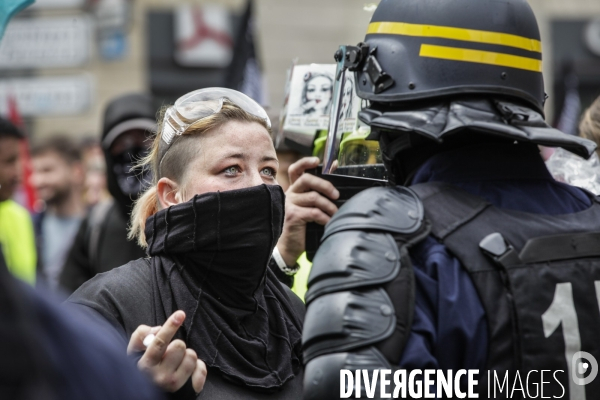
<point>231,170</point>
<point>269,172</point>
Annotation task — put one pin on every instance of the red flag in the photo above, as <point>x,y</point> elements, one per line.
<point>14,116</point>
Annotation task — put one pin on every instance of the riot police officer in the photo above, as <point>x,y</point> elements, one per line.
<point>481,260</point>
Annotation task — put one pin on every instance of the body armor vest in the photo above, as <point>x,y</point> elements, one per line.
<point>537,276</point>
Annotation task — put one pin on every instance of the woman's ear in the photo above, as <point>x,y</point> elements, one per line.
<point>168,192</point>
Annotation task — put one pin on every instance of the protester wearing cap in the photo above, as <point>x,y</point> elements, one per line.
<point>210,221</point>
<point>101,243</point>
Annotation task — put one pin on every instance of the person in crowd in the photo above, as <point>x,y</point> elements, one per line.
<point>101,243</point>
<point>17,238</point>
<point>462,270</point>
<point>308,199</point>
<point>300,266</point>
<point>96,189</point>
<point>572,169</point>
<point>210,221</point>
<point>57,177</point>
<point>48,353</point>
<point>52,353</point>
<point>589,127</point>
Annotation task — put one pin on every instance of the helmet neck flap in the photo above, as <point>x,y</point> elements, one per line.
<point>413,135</point>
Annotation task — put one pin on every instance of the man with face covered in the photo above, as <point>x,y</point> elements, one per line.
<point>101,243</point>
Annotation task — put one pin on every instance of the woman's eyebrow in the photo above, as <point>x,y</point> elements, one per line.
<point>233,155</point>
<point>241,156</point>
<point>269,158</point>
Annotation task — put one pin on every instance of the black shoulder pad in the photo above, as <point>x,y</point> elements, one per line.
<point>389,209</point>
<point>353,259</point>
<point>344,321</point>
<point>321,373</point>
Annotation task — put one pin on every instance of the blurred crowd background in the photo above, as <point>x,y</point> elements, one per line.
<point>63,60</point>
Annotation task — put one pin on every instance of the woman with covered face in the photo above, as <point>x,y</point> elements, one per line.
<point>203,310</point>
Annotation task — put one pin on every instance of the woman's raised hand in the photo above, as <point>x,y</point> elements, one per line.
<point>169,363</point>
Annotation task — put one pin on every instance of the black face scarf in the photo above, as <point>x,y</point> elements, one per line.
<point>210,259</point>
<point>125,183</point>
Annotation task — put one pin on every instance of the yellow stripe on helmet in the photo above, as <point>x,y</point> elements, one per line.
<point>447,32</point>
<point>481,57</point>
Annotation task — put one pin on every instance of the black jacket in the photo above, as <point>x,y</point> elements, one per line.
<point>124,297</point>
<point>98,247</point>
<point>101,243</point>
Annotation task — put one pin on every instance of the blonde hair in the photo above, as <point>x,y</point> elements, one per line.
<point>589,127</point>
<point>183,150</point>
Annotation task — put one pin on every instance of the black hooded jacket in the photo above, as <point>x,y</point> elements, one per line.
<point>101,243</point>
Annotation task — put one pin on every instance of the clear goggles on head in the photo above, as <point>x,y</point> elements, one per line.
<point>348,150</point>
<point>199,104</point>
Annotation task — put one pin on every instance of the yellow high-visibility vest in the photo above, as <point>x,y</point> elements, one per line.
<point>18,240</point>
<point>301,277</point>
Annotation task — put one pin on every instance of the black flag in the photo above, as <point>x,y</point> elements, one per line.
<point>244,73</point>
<point>568,120</point>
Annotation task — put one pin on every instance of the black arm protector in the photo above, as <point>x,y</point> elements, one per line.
<point>360,297</point>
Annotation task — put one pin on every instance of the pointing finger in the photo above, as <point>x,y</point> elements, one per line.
<point>157,348</point>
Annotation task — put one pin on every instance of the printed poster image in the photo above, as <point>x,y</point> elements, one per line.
<point>349,106</point>
<point>311,93</point>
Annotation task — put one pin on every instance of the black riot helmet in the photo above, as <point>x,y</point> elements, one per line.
<point>423,49</point>
<point>438,74</point>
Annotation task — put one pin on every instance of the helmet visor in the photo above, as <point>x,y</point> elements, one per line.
<point>347,150</point>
